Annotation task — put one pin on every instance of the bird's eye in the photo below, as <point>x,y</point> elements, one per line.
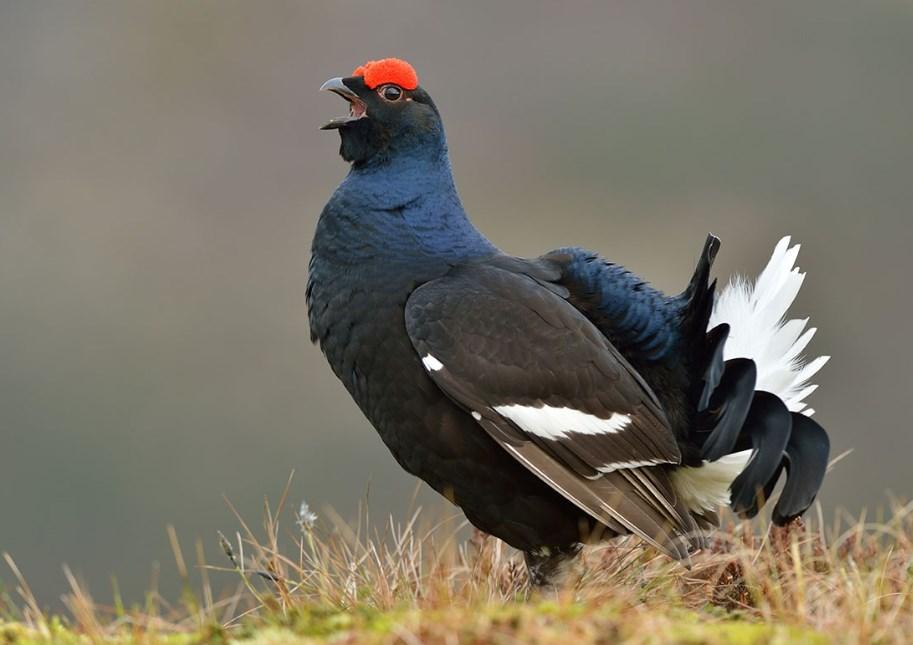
<point>391,93</point>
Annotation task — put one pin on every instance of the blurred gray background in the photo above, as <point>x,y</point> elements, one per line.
<point>161,172</point>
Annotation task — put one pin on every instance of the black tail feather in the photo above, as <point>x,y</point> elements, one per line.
<point>729,405</point>
<point>760,496</point>
<point>698,283</point>
<point>766,431</point>
<point>715,342</point>
<point>697,298</point>
<point>806,463</point>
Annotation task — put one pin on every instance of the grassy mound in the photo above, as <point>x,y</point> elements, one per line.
<point>313,583</point>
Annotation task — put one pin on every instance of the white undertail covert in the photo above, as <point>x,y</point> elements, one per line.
<point>756,314</point>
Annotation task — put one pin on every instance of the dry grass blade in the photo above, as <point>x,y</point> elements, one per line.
<point>83,608</point>
<point>33,615</point>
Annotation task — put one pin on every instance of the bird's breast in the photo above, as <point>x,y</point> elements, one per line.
<point>356,314</point>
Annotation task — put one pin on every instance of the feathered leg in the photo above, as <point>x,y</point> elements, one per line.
<point>551,567</point>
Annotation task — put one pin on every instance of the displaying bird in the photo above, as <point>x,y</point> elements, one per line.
<point>559,400</point>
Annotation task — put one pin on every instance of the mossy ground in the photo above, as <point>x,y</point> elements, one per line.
<point>533,622</point>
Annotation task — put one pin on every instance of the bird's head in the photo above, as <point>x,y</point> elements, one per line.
<point>389,113</point>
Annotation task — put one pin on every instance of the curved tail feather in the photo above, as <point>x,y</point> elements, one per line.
<point>768,430</point>
<point>720,426</point>
<point>806,464</point>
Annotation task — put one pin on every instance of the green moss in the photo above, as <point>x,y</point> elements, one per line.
<point>544,622</point>
<point>55,632</point>
<point>744,633</point>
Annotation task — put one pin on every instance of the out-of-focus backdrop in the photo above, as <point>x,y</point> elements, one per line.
<point>161,172</point>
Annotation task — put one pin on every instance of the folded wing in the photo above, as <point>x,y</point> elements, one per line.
<point>554,393</point>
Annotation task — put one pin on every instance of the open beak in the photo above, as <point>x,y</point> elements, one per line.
<point>357,107</point>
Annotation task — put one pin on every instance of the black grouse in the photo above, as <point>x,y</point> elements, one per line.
<point>557,400</point>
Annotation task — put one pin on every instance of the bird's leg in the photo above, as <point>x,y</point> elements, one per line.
<point>549,566</point>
